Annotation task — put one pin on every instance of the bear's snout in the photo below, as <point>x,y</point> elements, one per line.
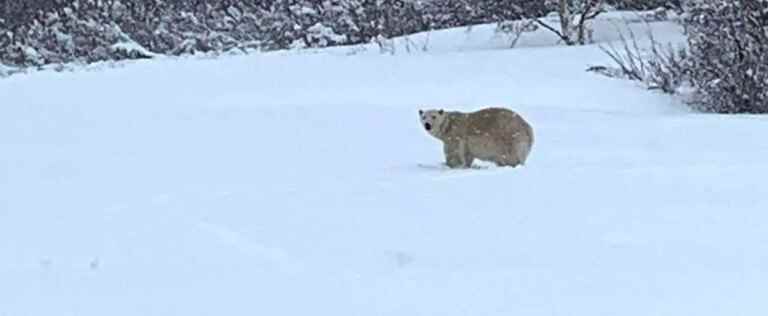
<point>428,126</point>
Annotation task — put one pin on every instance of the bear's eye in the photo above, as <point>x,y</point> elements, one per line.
<point>433,117</point>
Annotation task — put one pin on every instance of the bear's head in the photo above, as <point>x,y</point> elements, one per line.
<point>432,121</point>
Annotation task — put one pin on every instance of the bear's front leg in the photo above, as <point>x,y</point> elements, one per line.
<point>453,161</point>
<point>455,154</point>
<point>468,158</point>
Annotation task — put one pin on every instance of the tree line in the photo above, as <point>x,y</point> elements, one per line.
<point>41,32</point>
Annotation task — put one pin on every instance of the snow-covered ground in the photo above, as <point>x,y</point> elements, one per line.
<point>302,184</point>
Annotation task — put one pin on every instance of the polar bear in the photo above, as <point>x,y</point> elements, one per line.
<point>493,134</point>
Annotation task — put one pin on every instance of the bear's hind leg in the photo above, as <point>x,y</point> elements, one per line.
<point>508,161</point>
<point>521,152</point>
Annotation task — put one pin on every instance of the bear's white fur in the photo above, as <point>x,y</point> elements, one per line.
<point>494,134</point>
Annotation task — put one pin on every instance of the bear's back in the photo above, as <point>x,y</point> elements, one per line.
<point>493,120</point>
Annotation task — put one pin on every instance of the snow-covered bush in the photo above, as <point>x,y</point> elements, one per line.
<point>645,4</point>
<point>79,32</point>
<point>34,33</point>
<point>725,63</point>
<point>452,13</point>
<point>729,55</point>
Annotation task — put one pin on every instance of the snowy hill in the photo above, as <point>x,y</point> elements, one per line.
<point>302,184</point>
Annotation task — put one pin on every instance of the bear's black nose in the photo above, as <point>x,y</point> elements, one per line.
<point>428,126</point>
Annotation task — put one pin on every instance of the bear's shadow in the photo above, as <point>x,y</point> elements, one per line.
<point>444,167</point>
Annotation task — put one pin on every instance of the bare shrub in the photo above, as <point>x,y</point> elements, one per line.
<point>659,66</point>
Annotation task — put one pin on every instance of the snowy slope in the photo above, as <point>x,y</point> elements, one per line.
<point>295,184</point>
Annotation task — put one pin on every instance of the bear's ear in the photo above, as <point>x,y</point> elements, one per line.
<point>421,112</point>
<point>441,112</point>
